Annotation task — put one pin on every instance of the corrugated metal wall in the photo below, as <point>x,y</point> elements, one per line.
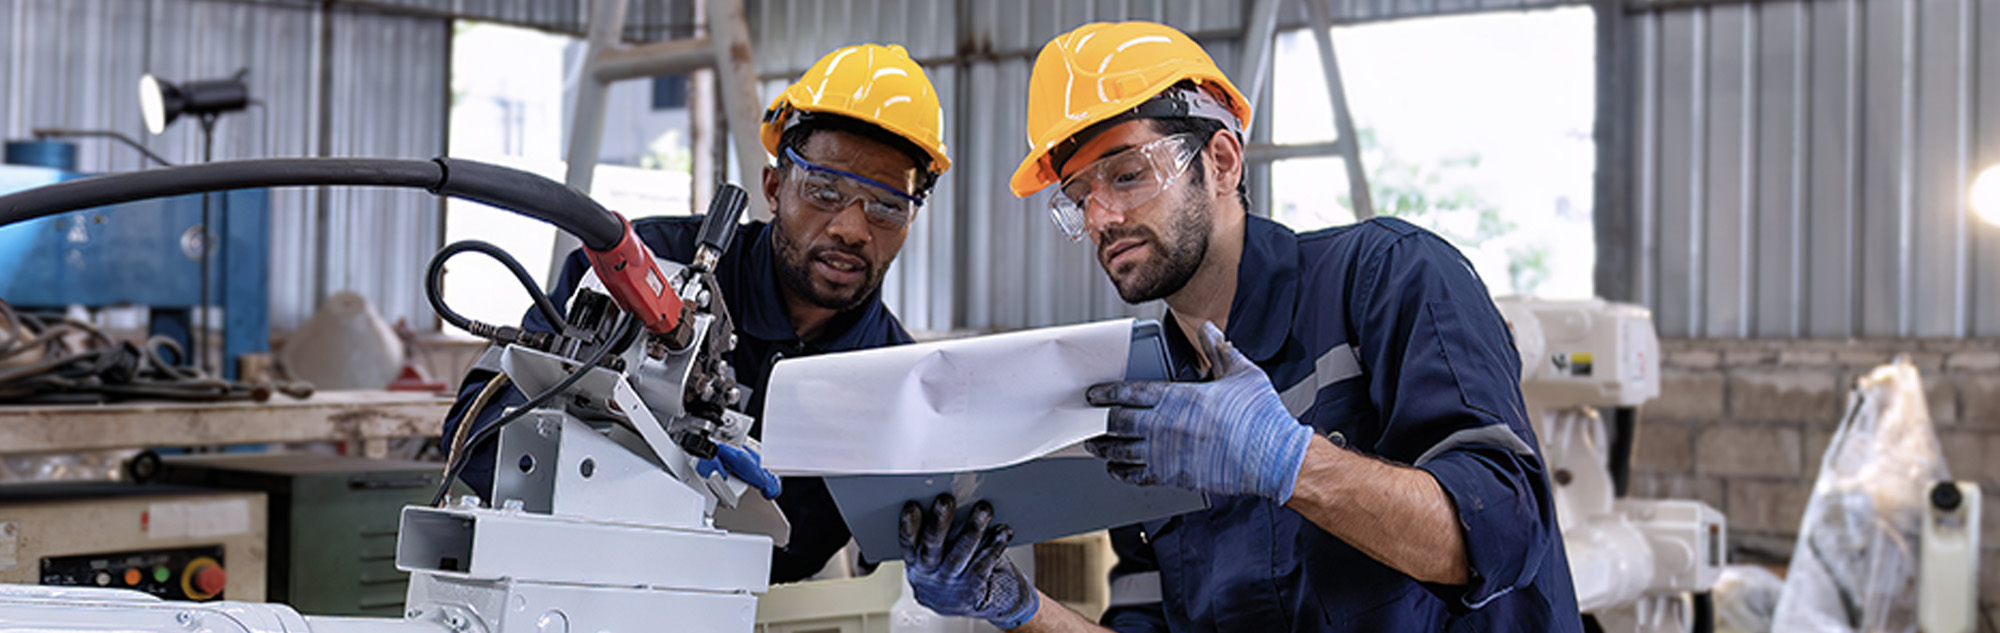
<point>77,63</point>
<point>1800,168</point>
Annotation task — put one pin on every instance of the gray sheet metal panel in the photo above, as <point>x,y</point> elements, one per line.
<point>389,78</point>
<point>1868,119</point>
<point>1983,284</point>
<point>1833,158</point>
<point>1781,117</point>
<point>977,137</point>
<point>1009,283</point>
<point>1676,306</point>
<point>935,294</point>
<point>1646,147</point>
<point>1726,228</point>
<point>645,20</point>
<point>1354,11</point>
<point>1885,160</point>
<point>1940,176</point>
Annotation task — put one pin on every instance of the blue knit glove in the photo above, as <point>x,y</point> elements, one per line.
<point>967,574</point>
<point>1230,435</point>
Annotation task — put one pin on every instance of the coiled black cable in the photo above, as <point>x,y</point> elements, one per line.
<point>434,288</point>
<point>628,331</point>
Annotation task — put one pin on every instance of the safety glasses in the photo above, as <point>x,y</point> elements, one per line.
<point>830,190</point>
<point>1120,182</point>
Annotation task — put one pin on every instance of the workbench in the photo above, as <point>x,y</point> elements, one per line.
<point>365,419</point>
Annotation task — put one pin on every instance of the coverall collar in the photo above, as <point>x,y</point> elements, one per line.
<point>1267,289</point>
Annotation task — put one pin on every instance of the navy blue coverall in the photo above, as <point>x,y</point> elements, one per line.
<point>749,281</point>
<point>1381,337</point>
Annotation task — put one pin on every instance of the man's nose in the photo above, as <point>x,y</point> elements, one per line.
<point>850,225</point>
<point>1098,215</point>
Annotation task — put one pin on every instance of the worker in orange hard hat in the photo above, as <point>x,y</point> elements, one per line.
<point>1350,402</point>
<point>856,145</point>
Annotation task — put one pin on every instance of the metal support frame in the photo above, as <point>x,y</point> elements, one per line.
<point>1258,38</point>
<point>1621,249</point>
<point>725,47</point>
<point>1343,123</point>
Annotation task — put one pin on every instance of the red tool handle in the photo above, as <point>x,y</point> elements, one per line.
<point>636,283</point>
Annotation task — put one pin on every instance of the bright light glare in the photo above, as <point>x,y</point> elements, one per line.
<point>151,104</point>
<point>1986,195</point>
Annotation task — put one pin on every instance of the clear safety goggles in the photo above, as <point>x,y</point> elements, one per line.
<point>831,190</point>
<point>1120,182</point>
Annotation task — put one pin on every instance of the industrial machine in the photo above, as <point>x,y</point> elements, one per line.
<point>1639,565</point>
<point>332,527</point>
<point>162,542</point>
<point>628,495</point>
<point>146,254</point>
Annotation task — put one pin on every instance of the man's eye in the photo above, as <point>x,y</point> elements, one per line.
<point>893,213</point>
<point>1129,177</point>
<point>824,195</point>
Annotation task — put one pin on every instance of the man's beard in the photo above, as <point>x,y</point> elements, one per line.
<point>1180,253</point>
<point>795,271</point>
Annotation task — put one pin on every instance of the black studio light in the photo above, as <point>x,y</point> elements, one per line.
<point>162,102</point>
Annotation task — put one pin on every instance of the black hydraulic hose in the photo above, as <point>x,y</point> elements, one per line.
<point>511,189</point>
<point>533,195</point>
<point>434,284</point>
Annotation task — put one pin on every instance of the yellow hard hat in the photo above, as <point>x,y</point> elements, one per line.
<point>1102,70</point>
<point>870,83</point>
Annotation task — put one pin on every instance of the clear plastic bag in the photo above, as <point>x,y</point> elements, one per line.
<point>1855,565</point>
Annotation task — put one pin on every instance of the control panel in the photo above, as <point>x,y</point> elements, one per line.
<point>190,573</point>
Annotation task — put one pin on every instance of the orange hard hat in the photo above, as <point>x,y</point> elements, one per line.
<point>875,84</point>
<point>1102,70</point>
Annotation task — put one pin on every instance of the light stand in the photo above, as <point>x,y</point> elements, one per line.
<point>161,103</point>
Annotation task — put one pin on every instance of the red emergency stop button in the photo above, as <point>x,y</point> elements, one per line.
<point>211,580</point>
<point>203,578</point>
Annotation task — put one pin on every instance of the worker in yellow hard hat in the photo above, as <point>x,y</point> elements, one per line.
<point>856,144</point>
<point>1349,400</point>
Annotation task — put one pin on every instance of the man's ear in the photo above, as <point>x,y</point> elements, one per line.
<point>772,180</point>
<point>1224,163</point>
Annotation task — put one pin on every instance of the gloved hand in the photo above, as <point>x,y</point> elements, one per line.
<point>1230,435</point>
<point>743,464</point>
<point>967,574</point>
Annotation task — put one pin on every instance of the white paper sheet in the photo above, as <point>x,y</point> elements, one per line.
<point>948,406</point>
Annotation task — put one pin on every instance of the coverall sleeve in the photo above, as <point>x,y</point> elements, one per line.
<point>1446,378</point>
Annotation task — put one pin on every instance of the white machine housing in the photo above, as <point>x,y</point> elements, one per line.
<point>595,527</point>
<point>1635,562</point>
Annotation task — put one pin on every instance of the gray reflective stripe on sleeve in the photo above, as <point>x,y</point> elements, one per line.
<point>1135,589</point>
<point>1337,364</point>
<point>489,360</point>
<point>1489,435</point>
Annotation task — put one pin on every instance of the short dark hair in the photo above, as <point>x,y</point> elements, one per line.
<point>1199,131</point>
<point>795,137</point>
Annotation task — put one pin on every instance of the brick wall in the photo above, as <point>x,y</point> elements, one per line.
<point>1742,424</point>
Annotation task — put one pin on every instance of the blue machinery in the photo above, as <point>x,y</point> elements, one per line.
<point>145,253</point>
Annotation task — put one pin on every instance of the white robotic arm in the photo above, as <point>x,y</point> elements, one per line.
<point>1639,565</point>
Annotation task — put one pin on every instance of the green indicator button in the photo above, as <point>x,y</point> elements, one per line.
<point>160,574</point>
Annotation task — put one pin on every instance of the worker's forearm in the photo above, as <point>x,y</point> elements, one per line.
<point>1395,514</point>
<point>1053,617</point>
